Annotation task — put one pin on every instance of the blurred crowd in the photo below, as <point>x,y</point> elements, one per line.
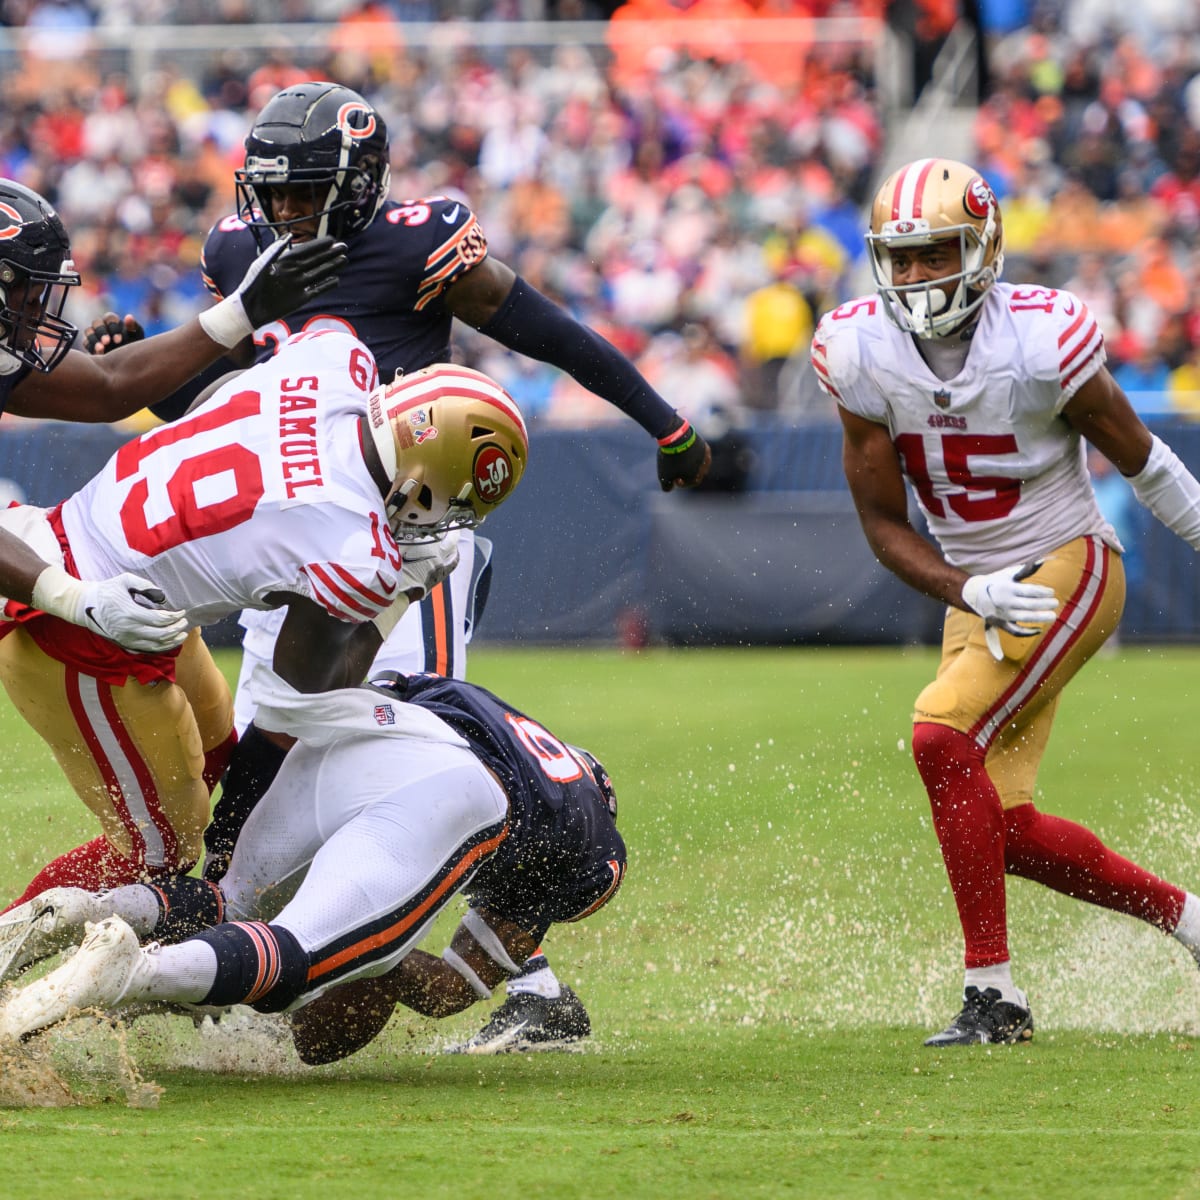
<point>699,204</point>
<point>700,201</point>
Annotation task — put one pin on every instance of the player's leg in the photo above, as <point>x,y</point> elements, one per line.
<point>211,702</point>
<point>487,947</point>
<point>958,720</point>
<point>132,754</point>
<point>368,896</point>
<point>1070,858</point>
<point>566,877</point>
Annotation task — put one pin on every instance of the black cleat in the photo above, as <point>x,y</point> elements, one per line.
<point>987,1019</point>
<point>527,1021</point>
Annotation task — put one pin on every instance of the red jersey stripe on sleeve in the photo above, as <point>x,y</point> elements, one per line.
<point>342,594</point>
<point>821,367</point>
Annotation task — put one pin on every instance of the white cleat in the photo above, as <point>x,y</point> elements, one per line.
<point>43,926</point>
<point>97,975</point>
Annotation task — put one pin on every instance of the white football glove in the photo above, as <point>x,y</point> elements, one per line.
<point>127,609</point>
<point>1005,602</point>
<point>426,564</point>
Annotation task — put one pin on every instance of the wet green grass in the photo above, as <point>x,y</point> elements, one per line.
<point>759,989</point>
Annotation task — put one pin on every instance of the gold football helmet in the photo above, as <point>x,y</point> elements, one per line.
<point>453,443</point>
<point>927,201</point>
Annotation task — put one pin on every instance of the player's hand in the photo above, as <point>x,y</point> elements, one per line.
<point>683,457</point>
<point>131,611</point>
<point>127,609</point>
<point>110,331</point>
<point>278,281</point>
<point>284,276</point>
<point>1005,601</point>
<point>426,564</point>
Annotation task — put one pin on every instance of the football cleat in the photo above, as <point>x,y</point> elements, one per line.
<point>43,926</point>
<point>527,1022</point>
<point>986,1019</point>
<point>97,975</point>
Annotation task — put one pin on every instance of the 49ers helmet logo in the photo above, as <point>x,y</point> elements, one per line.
<point>11,222</point>
<point>493,473</point>
<point>356,119</point>
<point>978,199</point>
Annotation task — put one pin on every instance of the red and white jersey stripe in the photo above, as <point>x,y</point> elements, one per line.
<point>1001,478</point>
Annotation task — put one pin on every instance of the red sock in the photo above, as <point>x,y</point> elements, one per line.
<point>1073,860</point>
<point>969,822</point>
<point>95,865</point>
<point>217,759</point>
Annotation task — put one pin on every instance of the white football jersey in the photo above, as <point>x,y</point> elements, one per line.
<point>261,489</point>
<point>999,474</point>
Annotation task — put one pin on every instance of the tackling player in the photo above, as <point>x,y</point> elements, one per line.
<point>317,164</point>
<point>397,797</point>
<point>289,487</point>
<point>979,394</point>
<point>42,376</point>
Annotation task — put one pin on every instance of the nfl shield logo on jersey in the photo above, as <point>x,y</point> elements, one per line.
<point>941,398</point>
<point>385,714</point>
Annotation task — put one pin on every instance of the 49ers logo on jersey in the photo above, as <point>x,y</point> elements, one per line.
<point>493,473</point>
<point>10,222</point>
<point>357,120</point>
<point>978,199</point>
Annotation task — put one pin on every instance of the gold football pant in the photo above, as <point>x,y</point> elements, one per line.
<point>135,754</point>
<point>1008,707</point>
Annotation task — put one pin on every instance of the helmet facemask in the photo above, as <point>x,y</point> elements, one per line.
<point>32,327</point>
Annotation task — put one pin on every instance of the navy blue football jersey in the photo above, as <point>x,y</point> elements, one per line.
<point>563,857</point>
<point>390,292</point>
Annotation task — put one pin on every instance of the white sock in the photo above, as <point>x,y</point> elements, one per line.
<point>543,983</point>
<point>998,976</point>
<point>135,904</point>
<point>1188,929</point>
<point>184,973</point>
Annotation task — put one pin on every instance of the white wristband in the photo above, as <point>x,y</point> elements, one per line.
<point>58,593</point>
<point>226,323</point>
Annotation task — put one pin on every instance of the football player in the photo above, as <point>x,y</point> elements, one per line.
<point>397,797</point>
<point>290,487</point>
<point>980,394</point>
<point>317,165</point>
<point>41,376</point>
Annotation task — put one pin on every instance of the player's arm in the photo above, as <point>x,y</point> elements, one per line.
<point>86,387</point>
<point>498,302</point>
<point>873,471</point>
<point>1101,411</point>
<point>346,1018</point>
<point>127,609</point>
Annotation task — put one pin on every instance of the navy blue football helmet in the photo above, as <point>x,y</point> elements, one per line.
<point>323,135</point>
<point>35,272</point>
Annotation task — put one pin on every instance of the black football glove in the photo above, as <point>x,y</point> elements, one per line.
<point>683,457</point>
<point>110,331</point>
<point>278,283</point>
